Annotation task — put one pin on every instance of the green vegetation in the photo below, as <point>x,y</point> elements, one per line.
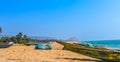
<point>18,39</point>
<point>96,53</point>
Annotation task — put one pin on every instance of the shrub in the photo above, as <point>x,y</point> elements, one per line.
<point>97,53</point>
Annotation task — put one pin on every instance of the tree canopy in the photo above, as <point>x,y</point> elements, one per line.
<point>19,38</point>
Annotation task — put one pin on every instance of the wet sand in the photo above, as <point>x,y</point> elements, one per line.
<point>29,54</point>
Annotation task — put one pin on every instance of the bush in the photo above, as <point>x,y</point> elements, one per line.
<point>96,53</point>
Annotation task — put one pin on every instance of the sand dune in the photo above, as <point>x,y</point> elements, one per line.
<point>29,54</point>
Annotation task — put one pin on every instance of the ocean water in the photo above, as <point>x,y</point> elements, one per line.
<point>109,43</point>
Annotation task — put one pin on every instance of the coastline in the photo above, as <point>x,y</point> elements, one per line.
<point>22,53</point>
<point>114,48</point>
<point>111,44</point>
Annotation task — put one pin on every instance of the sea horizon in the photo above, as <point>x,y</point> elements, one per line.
<point>114,44</point>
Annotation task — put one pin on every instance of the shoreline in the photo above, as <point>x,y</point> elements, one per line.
<point>114,48</point>
<point>29,54</point>
<point>108,47</point>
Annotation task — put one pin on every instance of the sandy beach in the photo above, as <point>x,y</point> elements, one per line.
<point>29,54</point>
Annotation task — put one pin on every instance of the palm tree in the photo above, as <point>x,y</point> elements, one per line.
<point>19,36</point>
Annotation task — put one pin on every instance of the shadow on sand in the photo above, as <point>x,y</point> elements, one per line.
<point>82,59</point>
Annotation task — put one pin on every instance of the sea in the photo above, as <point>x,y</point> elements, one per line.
<point>114,44</point>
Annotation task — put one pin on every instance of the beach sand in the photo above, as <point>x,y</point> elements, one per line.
<point>29,54</point>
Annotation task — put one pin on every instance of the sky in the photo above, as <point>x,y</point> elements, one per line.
<point>62,19</point>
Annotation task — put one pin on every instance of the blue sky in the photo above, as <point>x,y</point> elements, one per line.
<point>62,19</point>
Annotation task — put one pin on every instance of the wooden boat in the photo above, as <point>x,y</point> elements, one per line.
<point>5,45</point>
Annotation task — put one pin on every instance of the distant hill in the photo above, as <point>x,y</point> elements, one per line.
<point>42,38</point>
<point>72,39</point>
